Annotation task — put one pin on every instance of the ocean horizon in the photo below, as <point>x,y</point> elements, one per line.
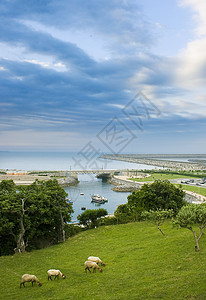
<point>60,161</point>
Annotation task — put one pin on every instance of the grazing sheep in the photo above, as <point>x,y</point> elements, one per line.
<point>55,273</point>
<point>97,260</point>
<point>29,278</point>
<point>90,264</point>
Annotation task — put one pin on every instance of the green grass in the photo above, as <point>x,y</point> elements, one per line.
<point>196,189</point>
<point>140,264</point>
<point>162,176</point>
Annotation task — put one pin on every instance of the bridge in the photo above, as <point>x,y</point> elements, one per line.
<point>104,174</point>
<point>99,172</point>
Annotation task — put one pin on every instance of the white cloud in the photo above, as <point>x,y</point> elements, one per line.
<point>199,7</point>
<point>192,65</point>
<point>190,73</point>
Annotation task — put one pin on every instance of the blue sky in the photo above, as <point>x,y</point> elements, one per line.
<point>120,75</point>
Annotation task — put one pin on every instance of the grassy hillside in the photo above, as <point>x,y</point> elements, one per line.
<point>140,264</point>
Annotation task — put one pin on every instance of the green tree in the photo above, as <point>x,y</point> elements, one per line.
<point>157,217</point>
<point>124,214</point>
<point>8,219</point>
<point>33,215</point>
<point>159,195</point>
<point>192,216</point>
<point>90,217</point>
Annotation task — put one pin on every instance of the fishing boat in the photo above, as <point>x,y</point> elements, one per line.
<point>98,199</point>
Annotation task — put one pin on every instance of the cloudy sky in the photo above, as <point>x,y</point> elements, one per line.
<point>121,75</point>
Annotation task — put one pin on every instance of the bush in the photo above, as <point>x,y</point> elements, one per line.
<point>91,217</point>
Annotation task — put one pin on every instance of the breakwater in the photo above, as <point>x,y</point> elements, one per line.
<point>162,160</point>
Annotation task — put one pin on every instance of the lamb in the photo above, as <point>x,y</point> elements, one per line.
<point>55,273</point>
<point>29,278</point>
<point>90,264</point>
<point>97,260</point>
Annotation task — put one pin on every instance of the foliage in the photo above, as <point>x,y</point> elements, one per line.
<point>108,221</point>
<point>71,230</point>
<point>157,217</point>
<point>140,264</point>
<point>90,217</point>
<point>190,217</point>
<point>124,214</point>
<point>32,216</point>
<point>158,195</point>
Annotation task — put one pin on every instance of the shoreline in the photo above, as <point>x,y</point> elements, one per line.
<point>29,179</point>
<point>154,160</point>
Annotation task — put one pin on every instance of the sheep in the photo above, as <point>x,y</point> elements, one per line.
<point>90,264</point>
<point>29,278</point>
<point>55,273</point>
<point>97,260</point>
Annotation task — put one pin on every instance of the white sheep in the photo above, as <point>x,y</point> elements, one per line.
<point>91,265</point>
<point>97,260</point>
<point>55,273</point>
<point>29,278</point>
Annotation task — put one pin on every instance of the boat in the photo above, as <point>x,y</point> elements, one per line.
<point>98,199</point>
<point>81,193</point>
<point>83,208</point>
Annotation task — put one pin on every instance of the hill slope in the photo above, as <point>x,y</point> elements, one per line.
<point>140,264</point>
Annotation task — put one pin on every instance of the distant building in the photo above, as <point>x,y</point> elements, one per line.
<point>15,172</point>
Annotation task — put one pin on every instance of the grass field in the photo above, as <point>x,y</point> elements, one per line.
<point>196,189</point>
<point>162,176</point>
<point>140,264</point>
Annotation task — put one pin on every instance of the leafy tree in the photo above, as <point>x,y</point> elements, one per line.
<point>124,214</point>
<point>7,215</point>
<point>90,217</point>
<point>192,216</point>
<point>157,217</point>
<point>159,195</point>
<point>32,214</point>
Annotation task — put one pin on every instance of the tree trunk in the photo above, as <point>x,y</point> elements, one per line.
<point>61,230</point>
<point>160,230</point>
<point>20,239</point>
<point>20,248</point>
<point>197,248</point>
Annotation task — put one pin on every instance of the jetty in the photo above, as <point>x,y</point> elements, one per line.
<point>164,160</point>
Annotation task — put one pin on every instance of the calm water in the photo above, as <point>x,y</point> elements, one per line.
<point>90,186</point>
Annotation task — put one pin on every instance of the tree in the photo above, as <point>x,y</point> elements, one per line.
<point>90,217</point>
<point>7,215</point>
<point>159,195</point>
<point>32,215</point>
<point>124,214</point>
<point>192,216</point>
<point>157,217</point>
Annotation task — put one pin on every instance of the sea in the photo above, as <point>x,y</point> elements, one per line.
<point>80,194</point>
